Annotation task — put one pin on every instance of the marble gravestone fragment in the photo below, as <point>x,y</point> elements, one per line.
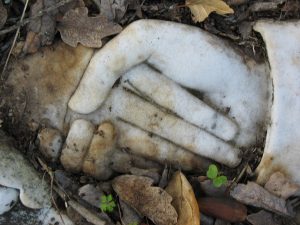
<point>282,149</point>
<point>236,91</point>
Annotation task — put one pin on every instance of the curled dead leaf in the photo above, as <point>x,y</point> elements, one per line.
<point>201,9</point>
<point>153,202</point>
<point>184,200</point>
<point>41,31</point>
<point>76,27</point>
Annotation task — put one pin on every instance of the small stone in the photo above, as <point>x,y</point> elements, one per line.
<point>50,143</point>
<point>263,218</point>
<point>90,194</point>
<point>255,195</point>
<point>280,186</point>
<point>77,144</point>
<point>8,198</point>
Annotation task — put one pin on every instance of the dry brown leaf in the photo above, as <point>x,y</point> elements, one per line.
<point>77,27</point>
<point>153,202</point>
<point>41,31</point>
<point>184,200</point>
<point>201,9</point>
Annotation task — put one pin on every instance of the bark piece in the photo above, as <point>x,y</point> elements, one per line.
<point>223,208</point>
<point>184,200</point>
<point>255,195</point>
<point>153,202</point>
<point>76,27</point>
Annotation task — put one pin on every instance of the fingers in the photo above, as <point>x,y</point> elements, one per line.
<point>107,65</point>
<point>155,148</point>
<point>169,95</point>
<point>146,116</point>
<point>195,60</point>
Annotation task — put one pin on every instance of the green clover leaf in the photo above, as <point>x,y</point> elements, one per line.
<point>219,181</point>
<point>107,203</point>
<point>212,171</point>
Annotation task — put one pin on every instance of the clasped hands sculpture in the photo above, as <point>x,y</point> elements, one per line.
<point>240,99</point>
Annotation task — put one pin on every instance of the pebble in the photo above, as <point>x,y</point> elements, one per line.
<point>50,143</point>
<point>90,194</point>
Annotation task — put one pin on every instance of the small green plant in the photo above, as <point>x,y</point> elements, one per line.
<point>107,203</point>
<point>214,174</point>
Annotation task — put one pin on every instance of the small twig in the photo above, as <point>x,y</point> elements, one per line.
<point>84,212</point>
<point>39,14</point>
<point>15,38</point>
<point>120,214</point>
<point>50,173</point>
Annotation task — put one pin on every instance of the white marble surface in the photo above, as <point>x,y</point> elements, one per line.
<point>8,198</point>
<point>194,59</point>
<point>16,172</point>
<point>282,149</point>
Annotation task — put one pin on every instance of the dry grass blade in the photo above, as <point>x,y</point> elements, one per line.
<point>201,9</point>
<point>15,39</point>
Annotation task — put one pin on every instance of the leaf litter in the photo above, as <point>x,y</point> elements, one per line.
<point>76,27</point>
<point>201,9</point>
<point>150,201</point>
